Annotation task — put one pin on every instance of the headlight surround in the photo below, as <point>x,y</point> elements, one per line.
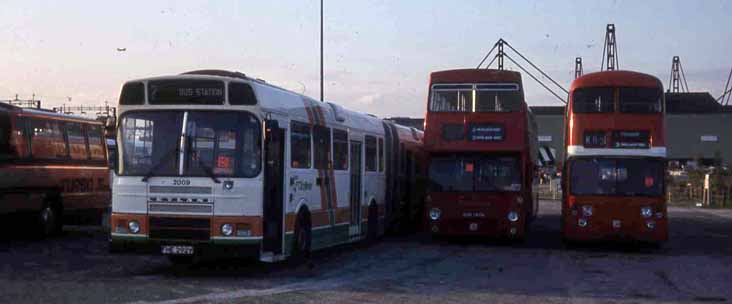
<point>587,210</point>
<point>646,212</point>
<point>134,227</point>
<point>582,222</point>
<point>435,214</point>
<point>512,216</point>
<point>651,225</point>
<point>227,229</point>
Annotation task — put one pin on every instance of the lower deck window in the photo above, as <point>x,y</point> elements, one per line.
<point>615,176</point>
<point>456,173</point>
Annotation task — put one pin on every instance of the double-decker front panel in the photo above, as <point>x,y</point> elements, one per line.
<point>614,174</point>
<point>481,158</point>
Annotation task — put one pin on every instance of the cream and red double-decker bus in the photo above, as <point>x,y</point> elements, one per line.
<point>614,171</point>
<point>53,167</point>
<point>215,163</point>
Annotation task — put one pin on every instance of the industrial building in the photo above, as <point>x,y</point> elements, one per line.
<point>697,128</point>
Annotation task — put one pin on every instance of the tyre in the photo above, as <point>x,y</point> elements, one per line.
<point>302,238</point>
<point>49,220</point>
<point>372,230</point>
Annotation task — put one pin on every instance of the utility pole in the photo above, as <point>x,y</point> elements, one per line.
<point>577,67</point>
<point>610,49</point>
<point>321,51</point>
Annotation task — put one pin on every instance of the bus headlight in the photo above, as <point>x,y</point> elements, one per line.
<point>646,212</point>
<point>582,222</point>
<point>513,216</point>
<point>651,225</point>
<point>519,200</point>
<point>227,229</point>
<point>435,213</point>
<point>134,227</point>
<point>587,210</point>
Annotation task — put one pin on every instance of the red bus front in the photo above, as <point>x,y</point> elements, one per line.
<point>478,137</point>
<point>614,173</point>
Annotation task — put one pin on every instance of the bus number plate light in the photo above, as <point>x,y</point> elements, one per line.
<point>617,224</point>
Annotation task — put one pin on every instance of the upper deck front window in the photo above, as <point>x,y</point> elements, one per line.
<point>593,100</point>
<point>639,100</point>
<point>476,98</point>
<point>630,100</point>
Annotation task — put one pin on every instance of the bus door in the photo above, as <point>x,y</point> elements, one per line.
<point>273,188</point>
<point>355,189</point>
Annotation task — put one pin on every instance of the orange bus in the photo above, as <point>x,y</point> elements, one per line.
<point>615,163</point>
<point>52,166</point>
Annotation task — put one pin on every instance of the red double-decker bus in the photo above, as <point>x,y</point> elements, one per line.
<point>480,137</point>
<point>614,169</point>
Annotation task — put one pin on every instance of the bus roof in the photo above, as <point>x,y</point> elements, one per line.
<point>46,113</point>
<point>474,75</point>
<point>615,79</point>
<point>277,99</point>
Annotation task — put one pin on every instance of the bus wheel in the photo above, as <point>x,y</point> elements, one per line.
<point>303,237</point>
<point>372,232</point>
<point>49,220</point>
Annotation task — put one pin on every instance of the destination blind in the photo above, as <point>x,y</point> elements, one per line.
<point>184,91</point>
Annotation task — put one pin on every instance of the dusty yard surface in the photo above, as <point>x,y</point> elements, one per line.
<point>694,266</point>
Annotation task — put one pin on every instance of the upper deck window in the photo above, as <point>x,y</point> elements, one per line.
<point>476,98</point>
<point>241,94</point>
<point>593,100</point>
<point>452,98</point>
<point>498,98</point>
<point>133,93</point>
<point>185,91</point>
<point>639,100</point>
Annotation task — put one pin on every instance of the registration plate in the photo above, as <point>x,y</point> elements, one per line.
<point>177,250</point>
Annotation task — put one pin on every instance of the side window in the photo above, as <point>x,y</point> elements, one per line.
<point>322,147</point>
<point>19,138</point>
<point>96,146</point>
<point>47,140</point>
<point>77,141</point>
<point>299,145</point>
<point>370,154</point>
<point>241,94</point>
<point>340,150</point>
<point>381,155</point>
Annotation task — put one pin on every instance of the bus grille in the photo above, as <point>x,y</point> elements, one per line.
<point>184,208</point>
<point>166,228</point>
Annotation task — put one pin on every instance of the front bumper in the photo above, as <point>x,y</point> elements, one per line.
<point>215,248</point>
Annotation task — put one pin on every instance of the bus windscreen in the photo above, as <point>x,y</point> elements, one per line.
<point>617,177</point>
<point>226,144</point>
<point>475,174</point>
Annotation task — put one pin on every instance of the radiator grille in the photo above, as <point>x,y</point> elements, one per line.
<point>167,228</point>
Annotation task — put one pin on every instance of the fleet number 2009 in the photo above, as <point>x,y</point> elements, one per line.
<point>181,182</point>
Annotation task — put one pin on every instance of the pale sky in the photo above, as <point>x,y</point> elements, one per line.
<point>378,53</point>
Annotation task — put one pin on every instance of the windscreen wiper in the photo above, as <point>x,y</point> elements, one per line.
<point>160,163</point>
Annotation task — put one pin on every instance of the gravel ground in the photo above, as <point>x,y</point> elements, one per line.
<point>694,266</point>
